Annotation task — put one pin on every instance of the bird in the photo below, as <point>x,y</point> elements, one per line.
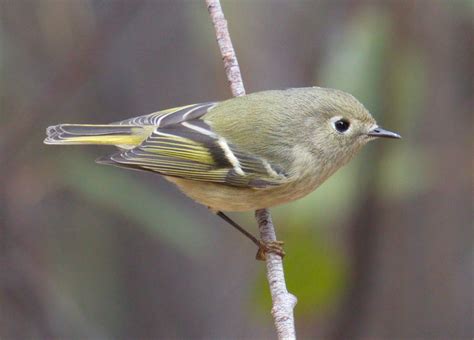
<point>245,153</point>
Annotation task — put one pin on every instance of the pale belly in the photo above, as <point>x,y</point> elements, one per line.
<point>227,198</point>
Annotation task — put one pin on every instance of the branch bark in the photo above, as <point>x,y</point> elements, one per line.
<point>231,65</point>
<point>283,302</point>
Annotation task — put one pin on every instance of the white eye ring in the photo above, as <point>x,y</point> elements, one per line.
<point>340,124</point>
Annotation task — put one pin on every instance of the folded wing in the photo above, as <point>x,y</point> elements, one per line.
<point>182,145</point>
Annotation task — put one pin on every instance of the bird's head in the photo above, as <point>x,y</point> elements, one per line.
<point>338,125</point>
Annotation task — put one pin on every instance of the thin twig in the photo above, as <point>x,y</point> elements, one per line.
<point>283,301</point>
<point>231,66</point>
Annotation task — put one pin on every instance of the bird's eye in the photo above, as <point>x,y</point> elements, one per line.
<point>341,125</point>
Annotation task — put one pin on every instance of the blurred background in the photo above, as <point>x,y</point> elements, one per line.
<point>383,250</point>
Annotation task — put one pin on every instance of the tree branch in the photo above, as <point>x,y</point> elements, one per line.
<point>231,65</point>
<point>283,301</point>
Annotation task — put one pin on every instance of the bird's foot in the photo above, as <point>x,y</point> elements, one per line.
<point>275,247</point>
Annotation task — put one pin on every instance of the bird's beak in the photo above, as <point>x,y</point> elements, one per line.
<point>379,132</point>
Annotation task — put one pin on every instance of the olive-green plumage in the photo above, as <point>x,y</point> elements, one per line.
<point>244,153</point>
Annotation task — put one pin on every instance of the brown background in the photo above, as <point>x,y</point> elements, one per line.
<point>383,250</point>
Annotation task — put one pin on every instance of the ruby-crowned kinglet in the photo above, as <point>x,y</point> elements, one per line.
<point>245,153</point>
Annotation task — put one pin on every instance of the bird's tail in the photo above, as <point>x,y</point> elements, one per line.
<point>119,135</point>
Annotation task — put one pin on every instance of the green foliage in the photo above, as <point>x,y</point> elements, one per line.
<point>315,272</point>
<point>354,61</point>
<point>407,82</point>
<point>395,183</point>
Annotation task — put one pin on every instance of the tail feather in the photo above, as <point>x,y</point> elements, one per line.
<point>120,135</point>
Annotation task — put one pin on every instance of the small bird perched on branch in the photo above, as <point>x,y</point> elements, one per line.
<point>245,153</point>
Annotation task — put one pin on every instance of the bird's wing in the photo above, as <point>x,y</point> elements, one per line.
<point>170,116</point>
<point>186,147</point>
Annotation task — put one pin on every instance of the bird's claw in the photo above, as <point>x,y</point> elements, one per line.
<point>275,247</point>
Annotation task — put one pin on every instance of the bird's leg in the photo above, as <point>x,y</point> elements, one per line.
<point>263,247</point>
